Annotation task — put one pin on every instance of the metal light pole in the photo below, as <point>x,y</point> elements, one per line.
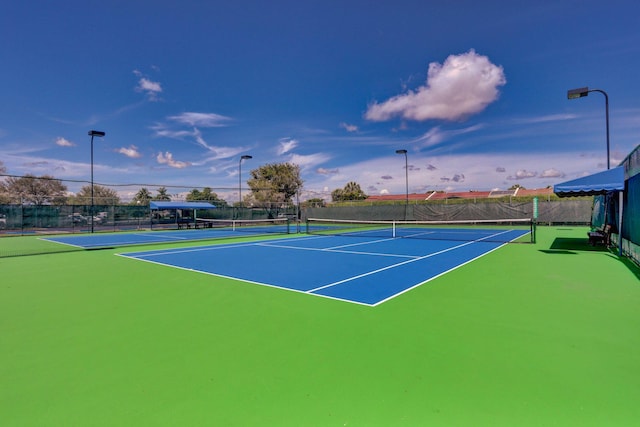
<point>245,157</point>
<point>406,172</point>
<point>93,133</point>
<point>584,91</point>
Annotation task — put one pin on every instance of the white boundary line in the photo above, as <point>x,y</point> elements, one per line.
<point>388,267</point>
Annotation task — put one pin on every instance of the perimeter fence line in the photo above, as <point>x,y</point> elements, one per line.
<point>552,212</point>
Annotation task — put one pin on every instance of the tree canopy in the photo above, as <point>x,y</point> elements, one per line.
<point>101,196</point>
<point>351,191</point>
<point>162,194</point>
<point>206,195</point>
<point>273,185</point>
<point>4,197</point>
<point>142,197</point>
<point>29,189</point>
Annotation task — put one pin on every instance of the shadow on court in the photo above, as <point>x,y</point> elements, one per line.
<point>571,245</point>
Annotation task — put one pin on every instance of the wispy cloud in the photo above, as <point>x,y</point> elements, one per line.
<point>436,135</point>
<point>205,120</point>
<point>166,158</point>
<point>323,171</point>
<point>285,145</point>
<point>464,85</point>
<point>195,136</point>
<point>348,127</point>
<point>309,160</point>
<point>546,119</point>
<point>147,86</point>
<point>63,142</point>
<point>160,130</point>
<point>131,152</point>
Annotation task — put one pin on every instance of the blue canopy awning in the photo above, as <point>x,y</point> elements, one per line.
<point>180,205</point>
<point>592,185</point>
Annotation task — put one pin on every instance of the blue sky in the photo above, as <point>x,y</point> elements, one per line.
<point>474,91</point>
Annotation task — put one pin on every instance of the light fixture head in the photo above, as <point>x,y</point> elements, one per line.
<point>577,93</point>
<point>96,133</point>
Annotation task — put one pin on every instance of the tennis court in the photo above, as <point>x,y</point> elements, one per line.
<point>208,230</point>
<point>363,270</point>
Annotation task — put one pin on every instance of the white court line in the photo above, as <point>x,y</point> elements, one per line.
<point>337,251</point>
<point>349,279</point>
<point>158,236</point>
<point>192,249</point>
<point>434,277</point>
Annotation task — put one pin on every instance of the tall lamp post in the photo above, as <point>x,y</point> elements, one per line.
<point>406,175</point>
<point>244,157</point>
<point>584,91</point>
<point>93,133</point>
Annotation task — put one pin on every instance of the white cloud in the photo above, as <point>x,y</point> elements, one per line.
<point>132,151</point>
<point>348,127</point>
<point>464,85</point>
<point>522,174</point>
<point>436,135</point>
<point>206,120</point>
<point>323,171</point>
<point>552,173</point>
<point>62,142</point>
<point>286,145</point>
<point>548,118</point>
<point>160,130</point>
<point>308,160</point>
<point>167,159</point>
<point>150,88</point>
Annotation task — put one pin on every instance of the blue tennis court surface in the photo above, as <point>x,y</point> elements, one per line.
<point>354,269</point>
<point>102,240</point>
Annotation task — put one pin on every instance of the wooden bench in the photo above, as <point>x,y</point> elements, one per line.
<point>600,236</point>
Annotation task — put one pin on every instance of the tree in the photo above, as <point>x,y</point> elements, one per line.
<point>162,194</point>
<point>516,186</point>
<point>142,197</point>
<point>314,203</point>
<point>29,189</point>
<point>274,185</point>
<point>4,196</point>
<point>101,196</point>
<point>351,191</point>
<point>205,195</point>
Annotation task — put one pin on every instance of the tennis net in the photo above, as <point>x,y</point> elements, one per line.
<point>253,226</point>
<point>503,230</point>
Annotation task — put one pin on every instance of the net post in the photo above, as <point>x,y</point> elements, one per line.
<point>534,229</point>
<point>393,228</point>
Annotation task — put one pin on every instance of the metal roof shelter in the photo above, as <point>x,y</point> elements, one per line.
<point>183,210</point>
<point>180,205</point>
<point>592,185</point>
<point>605,182</point>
